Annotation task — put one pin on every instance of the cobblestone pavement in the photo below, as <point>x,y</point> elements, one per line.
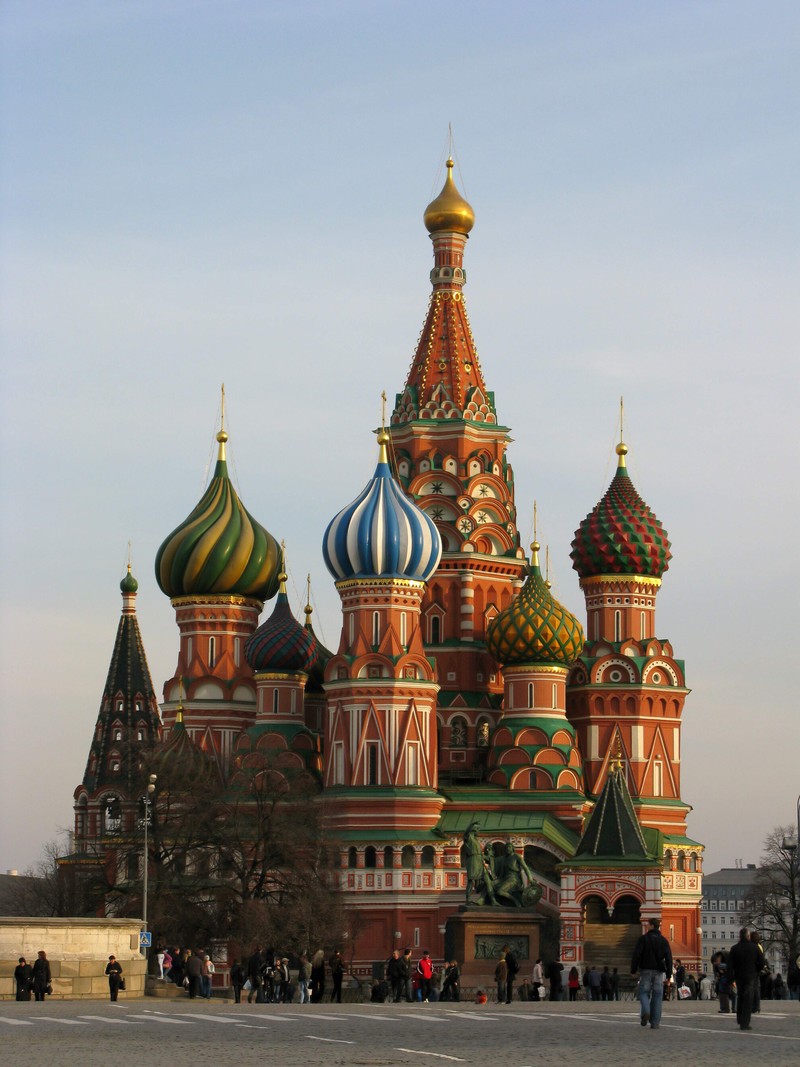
<point>149,1031</point>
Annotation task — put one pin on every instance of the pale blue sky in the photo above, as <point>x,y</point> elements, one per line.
<point>198,192</point>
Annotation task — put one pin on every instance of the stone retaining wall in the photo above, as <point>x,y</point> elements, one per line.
<point>77,950</point>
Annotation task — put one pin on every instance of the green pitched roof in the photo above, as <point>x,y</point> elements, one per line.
<point>613,831</point>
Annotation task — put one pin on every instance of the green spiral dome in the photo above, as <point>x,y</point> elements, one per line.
<point>535,629</point>
<point>220,548</point>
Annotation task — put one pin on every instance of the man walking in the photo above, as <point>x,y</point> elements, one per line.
<point>395,976</point>
<point>652,958</point>
<point>511,972</point>
<point>745,961</point>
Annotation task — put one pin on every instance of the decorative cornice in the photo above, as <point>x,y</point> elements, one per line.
<point>620,579</point>
<point>217,598</point>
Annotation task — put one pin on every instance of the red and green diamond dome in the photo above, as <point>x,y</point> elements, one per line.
<point>281,643</point>
<point>220,548</point>
<point>621,535</point>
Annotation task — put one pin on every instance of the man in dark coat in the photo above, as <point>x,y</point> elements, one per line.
<point>553,973</point>
<point>745,961</point>
<point>395,975</point>
<point>194,972</point>
<point>254,965</point>
<point>652,958</point>
<point>511,972</point>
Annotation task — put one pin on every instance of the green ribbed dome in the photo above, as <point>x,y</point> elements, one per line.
<point>535,629</point>
<point>219,548</point>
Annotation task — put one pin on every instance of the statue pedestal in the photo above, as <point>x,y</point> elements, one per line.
<point>475,937</point>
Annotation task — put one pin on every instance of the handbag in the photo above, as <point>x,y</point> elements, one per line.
<point>49,989</point>
<point>122,983</point>
<point>247,986</point>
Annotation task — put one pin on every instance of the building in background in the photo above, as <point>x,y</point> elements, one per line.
<point>724,895</point>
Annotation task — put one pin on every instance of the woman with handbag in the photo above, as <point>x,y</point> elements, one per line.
<point>115,979</point>
<point>42,979</point>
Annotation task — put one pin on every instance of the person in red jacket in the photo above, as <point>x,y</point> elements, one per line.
<point>425,972</point>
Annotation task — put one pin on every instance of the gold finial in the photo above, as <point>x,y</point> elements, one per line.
<point>547,581</point>
<point>622,448</point>
<point>222,436</point>
<point>282,576</point>
<point>308,609</point>
<point>535,546</point>
<point>179,712</point>
<point>616,756</point>
<point>129,557</point>
<point>383,409</point>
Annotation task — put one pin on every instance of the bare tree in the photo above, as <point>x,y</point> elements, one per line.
<point>55,885</point>
<point>773,904</point>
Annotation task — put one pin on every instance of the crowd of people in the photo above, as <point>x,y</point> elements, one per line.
<point>740,979</point>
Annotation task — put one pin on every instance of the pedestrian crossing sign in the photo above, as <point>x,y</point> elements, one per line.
<point>145,939</point>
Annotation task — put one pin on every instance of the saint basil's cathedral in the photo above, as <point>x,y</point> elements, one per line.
<point>461,692</point>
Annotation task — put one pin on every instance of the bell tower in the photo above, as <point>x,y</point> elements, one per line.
<point>449,452</point>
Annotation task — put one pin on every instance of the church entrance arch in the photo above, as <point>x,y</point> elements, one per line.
<point>610,932</point>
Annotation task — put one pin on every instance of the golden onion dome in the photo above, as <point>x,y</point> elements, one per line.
<point>449,212</point>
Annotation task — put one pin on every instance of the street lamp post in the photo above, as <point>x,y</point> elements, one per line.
<point>148,800</point>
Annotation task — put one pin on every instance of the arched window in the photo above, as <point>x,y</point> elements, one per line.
<point>617,625</point>
<point>681,861</point>
<point>212,651</point>
<point>112,815</point>
<point>436,630</point>
<point>352,857</point>
<point>403,629</point>
<point>554,697</point>
<point>237,651</point>
<point>693,862</point>
<point>483,733</point>
<point>530,694</point>
<point>351,628</point>
<point>407,857</point>
<point>388,857</point>
<point>642,625</point>
<point>428,855</point>
<point>369,857</point>
<point>376,627</point>
<point>275,701</point>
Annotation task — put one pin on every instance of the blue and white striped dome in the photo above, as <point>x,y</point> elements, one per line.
<point>382,533</point>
